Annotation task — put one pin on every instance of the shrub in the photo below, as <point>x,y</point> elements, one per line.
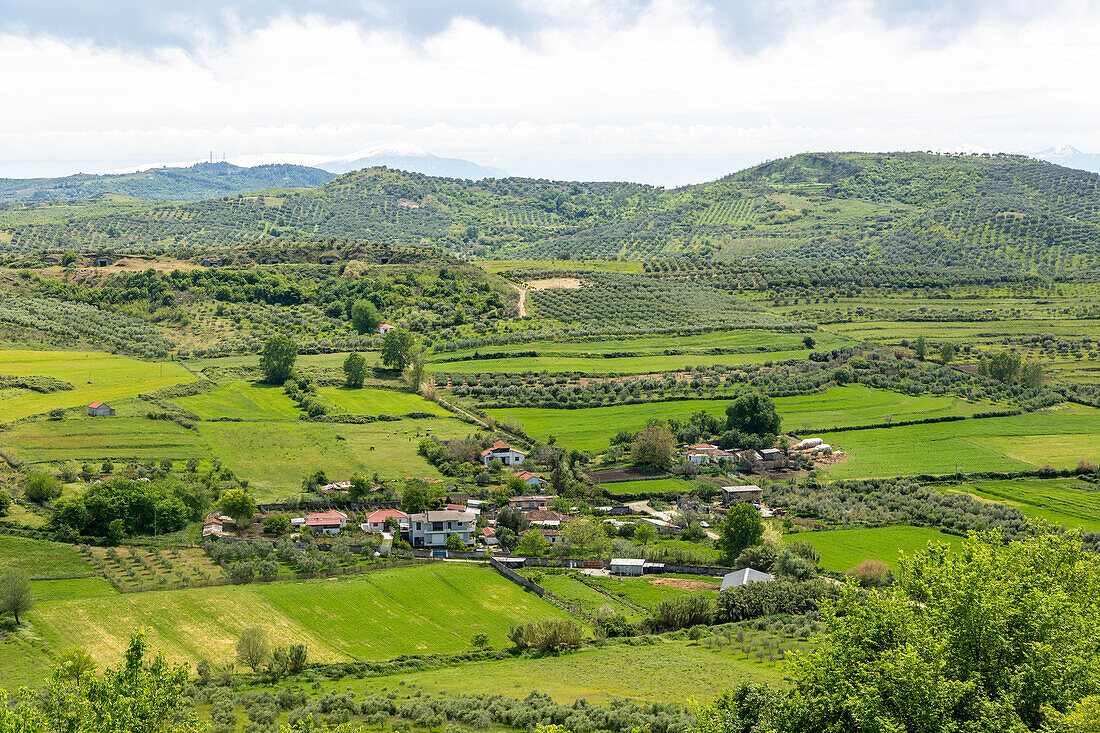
<point>673,614</point>
<point>872,574</point>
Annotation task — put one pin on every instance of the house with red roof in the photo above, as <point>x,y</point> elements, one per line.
<point>489,535</point>
<point>385,328</point>
<point>531,479</point>
<point>100,409</point>
<point>376,520</point>
<point>501,451</point>
<point>330,522</point>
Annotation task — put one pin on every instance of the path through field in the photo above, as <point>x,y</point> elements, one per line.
<point>522,304</point>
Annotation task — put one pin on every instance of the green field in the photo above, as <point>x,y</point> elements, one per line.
<point>1065,501</point>
<point>668,671</point>
<point>96,377</point>
<point>275,456</point>
<point>965,331</point>
<point>650,591</point>
<point>617,365</point>
<point>97,439</point>
<point>380,614</point>
<point>572,590</point>
<point>373,401</point>
<point>1060,437</point>
<point>843,549</point>
<point>41,558</point>
<point>646,486</point>
<point>592,428</point>
<point>242,400</point>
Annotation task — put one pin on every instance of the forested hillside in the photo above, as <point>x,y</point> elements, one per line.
<point>201,181</point>
<point>984,213</point>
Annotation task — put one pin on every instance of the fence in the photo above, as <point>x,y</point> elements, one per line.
<point>538,590</point>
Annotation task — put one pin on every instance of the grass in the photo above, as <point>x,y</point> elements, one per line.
<point>668,671</point>
<point>275,456</point>
<point>381,614</point>
<point>41,558</point>
<point>1060,437</point>
<point>373,401</point>
<point>843,549</point>
<point>648,591</point>
<point>615,365</point>
<point>96,439</point>
<point>592,428</point>
<point>1068,502</point>
<point>657,485</point>
<point>133,568</point>
<point>60,590</point>
<point>572,590</point>
<point>96,376</point>
<point>242,400</point>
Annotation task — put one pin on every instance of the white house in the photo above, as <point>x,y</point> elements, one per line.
<point>704,454</point>
<point>503,452</point>
<point>741,577</point>
<point>432,528</point>
<point>330,522</point>
<point>99,409</point>
<point>385,328</point>
<point>627,566</point>
<point>531,503</point>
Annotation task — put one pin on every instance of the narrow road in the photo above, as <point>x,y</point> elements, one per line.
<point>522,305</point>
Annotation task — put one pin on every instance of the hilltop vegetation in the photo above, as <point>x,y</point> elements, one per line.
<point>200,181</point>
<point>971,213</point>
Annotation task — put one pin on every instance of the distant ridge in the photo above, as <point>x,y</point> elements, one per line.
<point>1070,157</point>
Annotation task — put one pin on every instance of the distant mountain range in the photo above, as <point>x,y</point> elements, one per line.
<point>1070,157</point>
<point>197,180</point>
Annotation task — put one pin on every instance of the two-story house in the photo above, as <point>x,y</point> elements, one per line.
<point>431,528</point>
<point>503,452</point>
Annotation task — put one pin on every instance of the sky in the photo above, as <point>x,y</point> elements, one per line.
<point>650,90</point>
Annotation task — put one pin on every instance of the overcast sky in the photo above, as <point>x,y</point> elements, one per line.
<point>659,91</point>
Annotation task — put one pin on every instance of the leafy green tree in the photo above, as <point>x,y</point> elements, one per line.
<point>116,531</point>
<point>15,594</point>
<point>416,369</point>
<point>68,258</point>
<point>74,664</point>
<point>753,413</point>
<point>355,370</point>
<point>1004,365</point>
<point>277,359</point>
<point>920,348</point>
<point>240,505</point>
<point>645,533</point>
<point>533,544</point>
<point>416,496</point>
<point>1032,375</point>
<point>809,342</point>
<point>254,647</point>
<point>586,539</point>
<point>137,696</point>
<point>277,524</point>
<point>397,347</point>
<point>361,486</point>
<point>455,543</point>
<point>741,528</point>
<point>40,486</point>
<point>5,503</point>
<point>947,353</point>
<point>365,317</point>
<point>654,446</point>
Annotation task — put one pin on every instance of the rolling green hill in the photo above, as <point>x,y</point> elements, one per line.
<point>909,210</point>
<point>201,181</point>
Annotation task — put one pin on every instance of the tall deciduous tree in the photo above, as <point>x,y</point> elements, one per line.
<point>277,359</point>
<point>741,528</point>
<point>1004,365</point>
<point>365,317</point>
<point>240,505</point>
<point>397,346</point>
<point>355,370</point>
<point>947,353</point>
<point>654,446</point>
<point>533,544</point>
<point>753,413</point>
<point>586,538</point>
<point>15,594</point>
<point>254,647</point>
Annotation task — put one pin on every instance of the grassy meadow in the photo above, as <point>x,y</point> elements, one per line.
<point>1059,437</point>
<point>41,558</point>
<point>843,549</point>
<point>102,438</point>
<point>373,401</point>
<point>243,401</point>
<point>95,376</point>
<point>381,614</point>
<point>1063,501</point>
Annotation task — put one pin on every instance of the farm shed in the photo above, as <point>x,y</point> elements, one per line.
<point>741,577</point>
<point>627,566</point>
<point>732,494</point>
<point>100,409</point>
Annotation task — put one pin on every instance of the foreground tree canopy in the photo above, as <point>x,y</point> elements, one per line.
<point>994,637</point>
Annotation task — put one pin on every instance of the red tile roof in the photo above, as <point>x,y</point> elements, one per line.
<point>526,475</point>
<point>382,515</point>
<point>94,405</point>
<point>499,445</point>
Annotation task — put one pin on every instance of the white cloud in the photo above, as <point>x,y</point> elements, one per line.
<point>592,95</point>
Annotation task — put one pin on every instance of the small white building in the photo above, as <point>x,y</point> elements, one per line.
<point>376,520</point>
<point>330,522</point>
<point>733,494</point>
<point>432,528</point>
<point>385,328</point>
<point>627,566</point>
<point>100,409</point>
<point>742,577</point>
<point>503,452</point>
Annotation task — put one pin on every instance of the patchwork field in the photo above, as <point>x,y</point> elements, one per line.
<point>242,400</point>
<point>381,614</point>
<point>372,401</point>
<point>592,428</point>
<point>1060,437</point>
<point>275,456</point>
<point>95,376</point>
<point>97,439</point>
<point>843,549</point>
<point>1068,502</point>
